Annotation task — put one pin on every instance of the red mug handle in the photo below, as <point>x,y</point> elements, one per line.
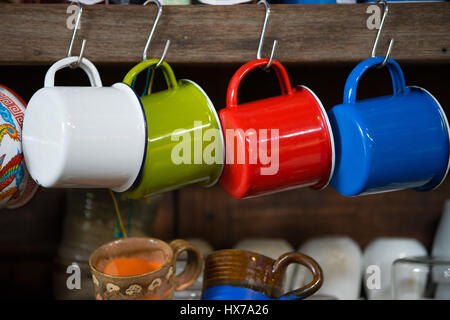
<point>235,81</point>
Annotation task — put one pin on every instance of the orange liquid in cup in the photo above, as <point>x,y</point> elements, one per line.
<point>130,267</point>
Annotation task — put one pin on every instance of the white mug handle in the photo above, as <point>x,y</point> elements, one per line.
<point>85,64</point>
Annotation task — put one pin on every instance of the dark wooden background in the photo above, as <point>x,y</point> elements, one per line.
<point>29,236</point>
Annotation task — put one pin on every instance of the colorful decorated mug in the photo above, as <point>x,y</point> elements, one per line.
<point>277,143</point>
<point>388,143</point>
<point>244,275</point>
<point>142,269</point>
<point>16,186</point>
<point>84,137</point>
<point>185,143</point>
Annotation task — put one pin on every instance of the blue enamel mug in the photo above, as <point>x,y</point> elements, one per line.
<point>234,274</point>
<point>388,143</point>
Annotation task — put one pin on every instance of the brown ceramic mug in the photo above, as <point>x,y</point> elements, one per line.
<point>116,268</point>
<point>243,275</point>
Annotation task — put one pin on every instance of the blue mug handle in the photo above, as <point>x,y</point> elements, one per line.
<point>398,79</point>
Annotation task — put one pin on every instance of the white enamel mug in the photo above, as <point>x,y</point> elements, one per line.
<point>340,258</point>
<point>84,137</point>
<point>379,256</point>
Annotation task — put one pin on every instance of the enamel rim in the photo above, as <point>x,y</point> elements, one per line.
<point>216,116</point>
<point>448,131</point>
<point>330,131</point>
<point>138,106</point>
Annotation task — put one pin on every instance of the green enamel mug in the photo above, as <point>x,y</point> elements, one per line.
<point>185,144</point>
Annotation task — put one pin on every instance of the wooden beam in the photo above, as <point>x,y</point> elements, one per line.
<point>37,34</point>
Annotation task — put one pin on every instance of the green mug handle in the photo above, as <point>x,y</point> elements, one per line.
<point>167,71</point>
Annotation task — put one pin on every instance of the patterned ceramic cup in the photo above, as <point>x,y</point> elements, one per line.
<point>244,275</point>
<point>154,285</point>
<point>16,186</point>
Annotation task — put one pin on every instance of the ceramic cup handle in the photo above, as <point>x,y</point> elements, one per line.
<point>286,259</point>
<point>194,264</point>
<point>85,64</point>
<point>235,81</point>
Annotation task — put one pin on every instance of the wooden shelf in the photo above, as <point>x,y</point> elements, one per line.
<point>37,34</point>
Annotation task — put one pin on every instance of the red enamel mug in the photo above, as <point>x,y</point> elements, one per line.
<point>278,143</point>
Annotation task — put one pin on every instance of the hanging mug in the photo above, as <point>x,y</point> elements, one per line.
<point>277,143</point>
<point>185,143</point>
<point>388,143</point>
<point>16,186</point>
<point>244,275</point>
<point>84,137</point>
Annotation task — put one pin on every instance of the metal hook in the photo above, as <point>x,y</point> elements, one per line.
<point>69,53</point>
<point>386,10</point>
<point>261,40</point>
<point>147,45</point>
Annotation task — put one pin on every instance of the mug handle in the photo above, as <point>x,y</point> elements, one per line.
<point>235,81</point>
<point>398,79</point>
<point>281,264</point>
<point>85,64</point>
<point>194,264</point>
<point>167,71</point>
